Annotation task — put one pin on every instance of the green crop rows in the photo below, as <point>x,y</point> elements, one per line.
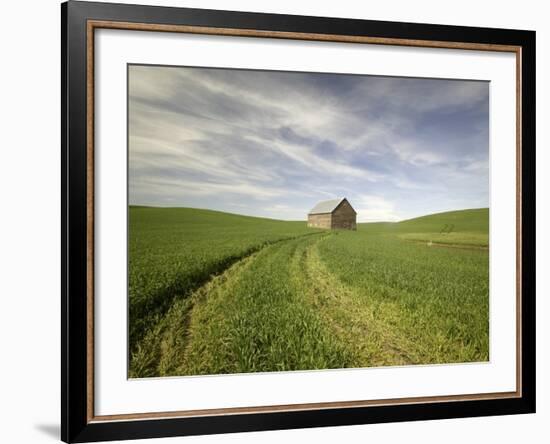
<point>213,293</point>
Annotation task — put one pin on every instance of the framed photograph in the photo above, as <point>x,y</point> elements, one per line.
<point>276,221</point>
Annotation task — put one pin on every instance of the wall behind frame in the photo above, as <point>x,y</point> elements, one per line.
<point>30,219</point>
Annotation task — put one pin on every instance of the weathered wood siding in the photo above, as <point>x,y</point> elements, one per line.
<point>319,220</point>
<point>344,217</point>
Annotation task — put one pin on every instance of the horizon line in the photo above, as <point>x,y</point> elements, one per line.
<point>303,220</point>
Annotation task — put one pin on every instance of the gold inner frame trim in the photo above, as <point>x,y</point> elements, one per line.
<point>97,24</point>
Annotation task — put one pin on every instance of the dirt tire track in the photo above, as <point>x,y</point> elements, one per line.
<point>350,315</point>
<point>353,320</point>
<point>164,348</point>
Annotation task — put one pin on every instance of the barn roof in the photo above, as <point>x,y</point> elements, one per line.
<point>326,206</point>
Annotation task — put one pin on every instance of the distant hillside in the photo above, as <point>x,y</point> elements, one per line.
<point>461,228</point>
<point>464,220</point>
<point>204,216</point>
<point>475,220</point>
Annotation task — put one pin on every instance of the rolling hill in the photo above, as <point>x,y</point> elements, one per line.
<point>212,293</point>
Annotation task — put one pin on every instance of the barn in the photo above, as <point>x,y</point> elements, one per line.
<point>335,214</point>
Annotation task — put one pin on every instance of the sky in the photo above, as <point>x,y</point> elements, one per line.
<point>273,144</point>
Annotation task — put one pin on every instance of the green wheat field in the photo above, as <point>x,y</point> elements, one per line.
<point>218,293</point>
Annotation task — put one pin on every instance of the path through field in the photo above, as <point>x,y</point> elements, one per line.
<point>310,299</point>
<point>253,317</point>
<point>279,309</point>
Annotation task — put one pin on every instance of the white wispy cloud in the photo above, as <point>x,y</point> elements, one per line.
<point>372,208</point>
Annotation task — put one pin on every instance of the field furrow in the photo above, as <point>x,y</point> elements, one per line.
<point>435,301</point>
<point>349,314</point>
<point>163,348</point>
<point>175,251</point>
<point>255,320</point>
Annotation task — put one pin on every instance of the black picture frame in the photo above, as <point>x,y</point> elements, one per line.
<point>76,423</point>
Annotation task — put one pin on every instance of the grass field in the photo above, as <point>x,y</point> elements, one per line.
<point>212,292</point>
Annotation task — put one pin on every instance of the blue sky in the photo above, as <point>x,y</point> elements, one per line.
<point>273,144</point>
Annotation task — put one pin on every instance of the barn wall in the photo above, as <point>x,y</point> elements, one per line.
<point>344,217</point>
<point>319,220</point>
